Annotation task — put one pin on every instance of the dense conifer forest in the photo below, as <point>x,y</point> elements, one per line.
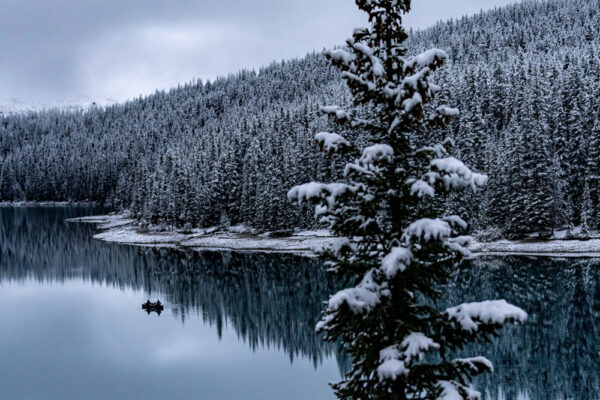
<point>525,78</point>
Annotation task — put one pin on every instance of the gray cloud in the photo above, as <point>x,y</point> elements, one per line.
<point>62,50</point>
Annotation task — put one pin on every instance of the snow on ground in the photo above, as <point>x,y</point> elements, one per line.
<point>122,229</point>
<point>315,233</point>
<point>130,234</point>
<point>554,248</point>
<point>229,241</point>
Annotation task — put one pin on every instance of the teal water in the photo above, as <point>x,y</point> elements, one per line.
<point>72,327</point>
<point>240,326</point>
<point>556,354</point>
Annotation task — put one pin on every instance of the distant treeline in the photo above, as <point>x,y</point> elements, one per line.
<point>525,77</point>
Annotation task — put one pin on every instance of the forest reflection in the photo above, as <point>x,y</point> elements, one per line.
<point>270,300</point>
<point>275,300</point>
<point>556,354</point>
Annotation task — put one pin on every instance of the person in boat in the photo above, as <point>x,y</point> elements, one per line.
<point>148,305</point>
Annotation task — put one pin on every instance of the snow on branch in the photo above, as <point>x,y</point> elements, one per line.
<point>440,229</point>
<point>360,47</point>
<point>377,68</point>
<point>492,312</point>
<point>416,81</point>
<point>420,188</point>
<point>428,229</point>
<point>432,59</point>
<point>438,149</point>
<point>396,261</point>
<point>396,360</point>
<point>415,88</point>
<point>360,299</point>
<point>476,365</point>
<point>413,91</point>
<point>416,345</point>
<point>359,81</point>
<point>415,101</point>
<point>459,244</point>
<point>342,245</point>
<point>456,220</point>
<point>371,156</point>
<point>392,365</point>
<point>331,142</point>
<point>452,165</point>
<point>455,174</point>
<point>337,111</point>
<point>443,114</point>
<point>326,192</point>
<point>340,56</point>
<point>375,154</point>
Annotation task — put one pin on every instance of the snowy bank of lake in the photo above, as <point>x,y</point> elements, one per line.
<point>529,247</point>
<point>122,229</point>
<point>118,228</point>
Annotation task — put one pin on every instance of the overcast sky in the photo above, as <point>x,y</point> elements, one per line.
<point>55,51</point>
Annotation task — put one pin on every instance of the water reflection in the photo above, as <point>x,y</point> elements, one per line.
<point>556,354</point>
<point>151,307</point>
<point>72,326</point>
<point>270,300</point>
<point>273,301</point>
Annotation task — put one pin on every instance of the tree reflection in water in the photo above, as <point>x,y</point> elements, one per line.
<point>556,354</point>
<point>275,300</point>
<point>270,300</point>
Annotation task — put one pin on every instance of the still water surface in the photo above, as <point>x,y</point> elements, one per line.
<point>241,326</point>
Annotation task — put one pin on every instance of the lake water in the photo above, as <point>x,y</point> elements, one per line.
<point>242,326</point>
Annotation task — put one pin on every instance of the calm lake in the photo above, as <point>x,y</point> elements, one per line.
<point>241,326</point>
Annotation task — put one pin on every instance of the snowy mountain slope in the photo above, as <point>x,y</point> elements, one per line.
<point>17,105</point>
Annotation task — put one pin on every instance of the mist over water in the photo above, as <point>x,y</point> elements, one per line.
<point>242,325</point>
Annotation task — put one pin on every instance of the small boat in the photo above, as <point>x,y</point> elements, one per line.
<point>149,306</point>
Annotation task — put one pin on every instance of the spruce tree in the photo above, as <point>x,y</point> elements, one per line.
<point>586,211</point>
<point>393,246</point>
<point>593,170</point>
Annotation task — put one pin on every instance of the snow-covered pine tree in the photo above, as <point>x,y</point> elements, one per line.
<point>392,245</point>
<point>593,170</point>
<point>586,211</point>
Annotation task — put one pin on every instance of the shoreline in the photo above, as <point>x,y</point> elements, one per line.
<point>119,228</point>
<point>572,248</point>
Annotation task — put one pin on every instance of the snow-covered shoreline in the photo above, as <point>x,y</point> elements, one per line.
<point>121,229</point>
<point>547,248</point>
<point>118,228</point>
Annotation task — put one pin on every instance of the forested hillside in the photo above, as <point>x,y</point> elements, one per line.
<point>201,154</point>
<point>525,78</point>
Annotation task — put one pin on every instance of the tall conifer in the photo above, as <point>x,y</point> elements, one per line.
<point>393,246</point>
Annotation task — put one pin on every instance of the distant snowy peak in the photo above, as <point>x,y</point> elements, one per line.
<point>15,105</point>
